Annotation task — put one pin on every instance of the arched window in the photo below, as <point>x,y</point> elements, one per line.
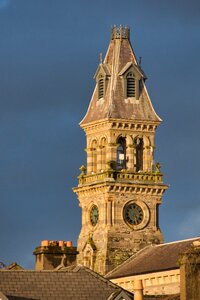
<point>139,154</point>
<point>100,87</point>
<point>121,153</point>
<point>88,257</point>
<point>130,85</point>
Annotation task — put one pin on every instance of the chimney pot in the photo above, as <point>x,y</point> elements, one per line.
<point>61,243</point>
<point>44,243</point>
<point>69,243</point>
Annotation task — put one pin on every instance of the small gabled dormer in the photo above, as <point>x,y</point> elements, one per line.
<point>101,77</point>
<point>132,76</point>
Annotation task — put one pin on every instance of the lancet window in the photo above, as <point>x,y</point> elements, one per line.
<point>88,257</point>
<point>121,153</point>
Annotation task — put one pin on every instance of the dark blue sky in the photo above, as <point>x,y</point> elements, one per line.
<point>49,52</point>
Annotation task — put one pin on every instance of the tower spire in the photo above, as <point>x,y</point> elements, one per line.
<point>120,84</point>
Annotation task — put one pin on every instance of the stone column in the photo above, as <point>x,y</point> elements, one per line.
<point>109,213</point>
<point>103,158</point>
<point>99,159</point>
<point>89,160</point>
<point>146,158</point>
<point>130,157</point>
<point>111,152</point>
<point>151,158</point>
<point>134,158</point>
<point>84,215</point>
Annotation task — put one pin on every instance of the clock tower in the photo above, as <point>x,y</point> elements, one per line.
<point>121,187</point>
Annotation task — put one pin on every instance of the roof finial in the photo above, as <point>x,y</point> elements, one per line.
<point>100,58</point>
<point>140,61</point>
<point>120,32</point>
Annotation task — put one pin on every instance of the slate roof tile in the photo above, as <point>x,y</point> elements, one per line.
<point>153,258</point>
<point>78,283</point>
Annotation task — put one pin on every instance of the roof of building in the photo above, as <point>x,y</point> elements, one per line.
<point>13,266</point>
<point>119,59</point>
<point>3,297</point>
<point>163,297</point>
<point>154,258</point>
<point>75,282</point>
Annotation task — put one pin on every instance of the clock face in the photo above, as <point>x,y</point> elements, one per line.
<point>133,214</point>
<point>94,215</point>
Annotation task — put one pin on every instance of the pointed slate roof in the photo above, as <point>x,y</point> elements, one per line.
<point>75,283</point>
<point>154,258</point>
<point>118,59</point>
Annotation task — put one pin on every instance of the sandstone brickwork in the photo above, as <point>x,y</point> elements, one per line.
<point>121,187</point>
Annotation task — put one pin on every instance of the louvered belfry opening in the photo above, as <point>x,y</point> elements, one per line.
<point>130,85</point>
<point>121,153</point>
<point>100,87</point>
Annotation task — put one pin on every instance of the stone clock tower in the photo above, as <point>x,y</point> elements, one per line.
<point>121,188</point>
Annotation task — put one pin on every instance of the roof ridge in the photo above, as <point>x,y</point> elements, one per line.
<point>114,72</point>
<point>179,241</point>
<point>102,278</point>
<point>97,275</point>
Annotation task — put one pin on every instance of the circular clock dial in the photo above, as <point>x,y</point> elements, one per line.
<point>133,214</point>
<point>94,215</point>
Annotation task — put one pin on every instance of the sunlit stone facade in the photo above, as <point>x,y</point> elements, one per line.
<point>121,187</point>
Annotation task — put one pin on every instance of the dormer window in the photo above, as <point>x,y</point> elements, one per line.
<point>101,76</point>
<point>130,85</point>
<point>132,80</point>
<point>100,86</point>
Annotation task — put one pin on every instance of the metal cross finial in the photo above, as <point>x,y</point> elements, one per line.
<point>100,58</point>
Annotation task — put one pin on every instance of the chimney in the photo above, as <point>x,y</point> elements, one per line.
<point>138,290</point>
<point>189,262</point>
